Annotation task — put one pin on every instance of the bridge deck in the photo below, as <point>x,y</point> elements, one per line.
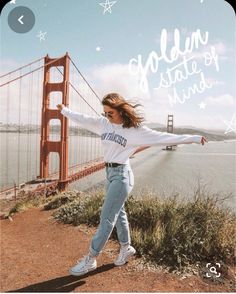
<point>50,185</point>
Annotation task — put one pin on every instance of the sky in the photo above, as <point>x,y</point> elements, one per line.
<point>133,49</point>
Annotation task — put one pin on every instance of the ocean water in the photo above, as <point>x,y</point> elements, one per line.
<point>212,167</point>
<point>165,173</point>
<point>158,171</point>
<point>20,156</point>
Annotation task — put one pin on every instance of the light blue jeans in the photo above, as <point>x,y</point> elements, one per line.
<point>120,181</point>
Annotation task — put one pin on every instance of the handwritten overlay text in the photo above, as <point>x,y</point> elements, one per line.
<point>181,65</point>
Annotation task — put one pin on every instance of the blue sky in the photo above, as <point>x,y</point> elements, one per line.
<point>134,27</point>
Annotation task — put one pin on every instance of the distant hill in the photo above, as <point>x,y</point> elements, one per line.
<point>155,125</point>
<point>211,135</point>
<point>35,129</point>
<point>215,131</point>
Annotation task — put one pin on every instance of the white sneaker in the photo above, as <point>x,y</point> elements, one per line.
<point>84,266</point>
<point>125,253</point>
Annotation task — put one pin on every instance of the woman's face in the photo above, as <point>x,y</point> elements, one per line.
<point>112,114</point>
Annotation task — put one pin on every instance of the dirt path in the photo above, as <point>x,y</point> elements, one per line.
<point>36,253</point>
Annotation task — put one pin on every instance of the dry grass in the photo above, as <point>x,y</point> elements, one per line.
<point>171,231</point>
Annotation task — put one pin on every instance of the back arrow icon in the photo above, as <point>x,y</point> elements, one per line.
<point>20,19</point>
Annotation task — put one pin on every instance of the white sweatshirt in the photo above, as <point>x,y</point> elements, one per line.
<point>120,143</point>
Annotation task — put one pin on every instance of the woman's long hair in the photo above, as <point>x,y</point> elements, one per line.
<point>131,118</point>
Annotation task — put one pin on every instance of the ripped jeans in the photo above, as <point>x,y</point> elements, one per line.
<point>120,183</point>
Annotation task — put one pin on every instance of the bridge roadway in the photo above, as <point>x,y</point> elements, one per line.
<point>47,186</point>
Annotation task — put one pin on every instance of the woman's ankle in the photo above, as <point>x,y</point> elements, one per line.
<point>91,255</point>
<point>125,245</point>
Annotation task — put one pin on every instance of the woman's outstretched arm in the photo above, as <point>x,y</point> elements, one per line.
<point>91,123</point>
<point>144,136</point>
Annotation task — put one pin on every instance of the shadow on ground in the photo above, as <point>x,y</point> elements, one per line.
<point>63,284</point>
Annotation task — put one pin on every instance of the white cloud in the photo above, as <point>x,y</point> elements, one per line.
<point>222,49</point>
<point>105,79</point>
<point>159,113</point>
<point>222,100</point>
<point>8,65</point>
<point>184,32</point>
<point>214,82</point>
<point>206,121</point>
<point>116,78</point>
<point>161,96</point>
<point>22,100</point>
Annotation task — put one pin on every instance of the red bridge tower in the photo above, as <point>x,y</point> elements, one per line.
<point>47,146</point>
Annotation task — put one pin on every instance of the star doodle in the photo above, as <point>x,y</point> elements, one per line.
<point>202,105</point>
<point>107,5</point>
<point>231,125</point>
<point>41,36</point>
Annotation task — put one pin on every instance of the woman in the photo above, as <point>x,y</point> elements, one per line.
<point>121,134</point>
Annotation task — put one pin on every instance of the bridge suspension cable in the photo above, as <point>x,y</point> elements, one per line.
<point>80,94</point>
<point>21,109</point>
<point>20,68</point>
<point>84,79</point>
<point>26,74</point>
<point>49,63</point>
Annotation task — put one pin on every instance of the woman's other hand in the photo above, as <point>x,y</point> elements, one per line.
<point>203,140</point>
<point>60,106</point>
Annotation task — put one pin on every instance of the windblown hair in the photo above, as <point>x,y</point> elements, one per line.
<point>131,118</point>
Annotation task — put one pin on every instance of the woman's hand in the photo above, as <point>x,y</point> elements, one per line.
<point>203,140</point>
<point>139,149</point>
<point>60,106</point>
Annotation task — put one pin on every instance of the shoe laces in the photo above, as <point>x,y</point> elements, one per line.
<point>122,251</point>
<point>85,258</point>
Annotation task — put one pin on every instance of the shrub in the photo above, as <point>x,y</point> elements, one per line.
<point>83,210</point>
<point>171,231</point>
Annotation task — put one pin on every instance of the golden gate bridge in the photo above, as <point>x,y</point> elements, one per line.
<point>40,153</point>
